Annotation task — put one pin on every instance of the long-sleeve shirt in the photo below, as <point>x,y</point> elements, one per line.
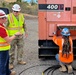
<point>59,42</point>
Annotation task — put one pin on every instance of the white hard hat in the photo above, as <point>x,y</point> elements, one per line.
<point>2,14</point>
<point>16,7</point>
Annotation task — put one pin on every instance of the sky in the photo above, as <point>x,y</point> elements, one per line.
<point>29,0</point>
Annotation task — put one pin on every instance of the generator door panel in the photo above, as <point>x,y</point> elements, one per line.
<point>58,10</point>
<point>73,10</point>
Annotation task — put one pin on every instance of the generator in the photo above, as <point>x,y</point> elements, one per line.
<point>53,16</point>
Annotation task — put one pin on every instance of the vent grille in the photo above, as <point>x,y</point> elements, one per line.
<point>74,10</point>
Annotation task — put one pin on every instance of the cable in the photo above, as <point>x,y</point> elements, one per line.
<point>73,73</point>
<point>52,68</point>
<point>34,66</point>
<point>48,69</point>
<point>56,67</point>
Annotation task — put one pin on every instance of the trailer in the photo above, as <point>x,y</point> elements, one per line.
<point>53,16</point>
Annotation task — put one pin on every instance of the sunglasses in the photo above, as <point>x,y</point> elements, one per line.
<point>16,11</point>
<point>4,18</point>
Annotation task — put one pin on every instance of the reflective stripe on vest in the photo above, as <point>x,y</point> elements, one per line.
<point>3,44</point>
<point>15,28</point>
<point>15,25</point>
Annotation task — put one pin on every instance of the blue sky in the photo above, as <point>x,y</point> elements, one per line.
<point>29,0</point>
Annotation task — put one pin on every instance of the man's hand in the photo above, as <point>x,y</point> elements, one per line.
<point>18,33</point>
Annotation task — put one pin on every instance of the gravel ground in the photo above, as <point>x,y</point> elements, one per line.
<point>31,54</point>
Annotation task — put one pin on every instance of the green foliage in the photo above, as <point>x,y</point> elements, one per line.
<point>25,7</point>
<point>3,4</point>
<point>19,0</point>
<point>32,2</point>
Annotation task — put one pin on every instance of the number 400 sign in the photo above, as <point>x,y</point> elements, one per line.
<point>52,7</point>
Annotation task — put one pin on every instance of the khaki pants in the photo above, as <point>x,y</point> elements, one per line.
<point>17,44</point>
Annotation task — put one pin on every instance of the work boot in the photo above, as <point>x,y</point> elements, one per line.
<point>62,68</point>
<point>13,73</point>
<point>70,69</point>
<point>21,62</point>
<point>11,66</point>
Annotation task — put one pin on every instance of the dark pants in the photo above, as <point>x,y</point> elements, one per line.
<point>4,63</point>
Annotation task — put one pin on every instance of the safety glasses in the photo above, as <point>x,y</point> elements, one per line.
<point>4,18</point>
<point>16,11</point>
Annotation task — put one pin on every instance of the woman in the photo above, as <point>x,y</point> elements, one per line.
<point>65,56</point>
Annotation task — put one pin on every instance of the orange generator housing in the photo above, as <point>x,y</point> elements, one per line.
<point>53,16</point>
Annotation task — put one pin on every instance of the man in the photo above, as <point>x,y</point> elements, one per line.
<point>5,46</point>
<point>16,23</point>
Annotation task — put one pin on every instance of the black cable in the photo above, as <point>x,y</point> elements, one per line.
<point>59,67</point>
<point>54,68</point>
<point>51,68</point>
<point>73,73</point>
<point>48,68</point>
<point>49,71</point>
<point>34,66</point>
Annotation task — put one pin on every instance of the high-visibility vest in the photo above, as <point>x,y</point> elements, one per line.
<point>59,42</point>
<point>15,25</point>
<point>4,45</point>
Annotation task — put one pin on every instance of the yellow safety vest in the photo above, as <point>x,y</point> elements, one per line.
<point>15,25</point>
<point>4,45</point>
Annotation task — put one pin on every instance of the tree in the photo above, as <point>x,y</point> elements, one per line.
<point>32,2</point>
<point>19,0</point>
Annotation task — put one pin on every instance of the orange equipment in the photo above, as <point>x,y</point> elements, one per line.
<point>53,16</point>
